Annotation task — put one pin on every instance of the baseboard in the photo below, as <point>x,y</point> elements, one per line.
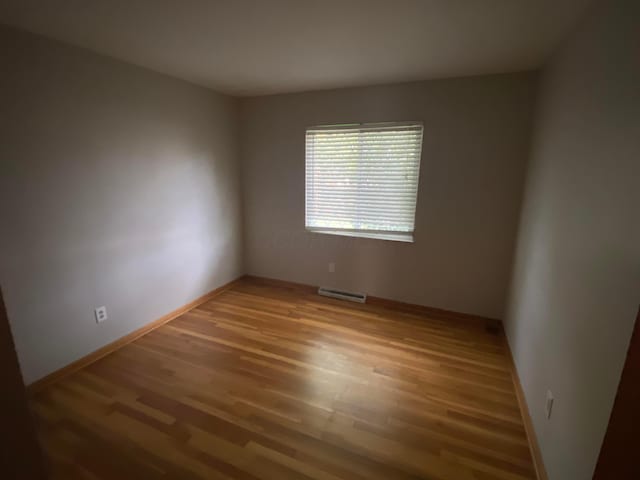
<point>121,342</point>
<point>301,287</point>
<point>536,455</point>
<point>534,447</point>
<point>383,302</point>
<point>432,312</point>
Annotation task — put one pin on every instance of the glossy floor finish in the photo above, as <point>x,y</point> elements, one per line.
<point>267,382</point>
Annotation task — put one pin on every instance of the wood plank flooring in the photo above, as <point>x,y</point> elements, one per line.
<point>267,382</point>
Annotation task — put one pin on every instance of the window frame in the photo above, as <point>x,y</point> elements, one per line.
<point>390,235</point>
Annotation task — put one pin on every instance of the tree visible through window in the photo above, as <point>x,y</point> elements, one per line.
<point>362,180</point>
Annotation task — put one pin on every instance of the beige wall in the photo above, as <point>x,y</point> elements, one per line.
<point>576,284</point>
<point>119,187</point>
<point>475,147</point>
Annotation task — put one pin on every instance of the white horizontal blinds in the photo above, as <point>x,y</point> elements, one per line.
<point>363,178</point>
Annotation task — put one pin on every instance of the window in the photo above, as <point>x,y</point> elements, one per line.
<point>362,180</point>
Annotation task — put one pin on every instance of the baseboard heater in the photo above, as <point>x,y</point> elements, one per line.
<point>342,295</point>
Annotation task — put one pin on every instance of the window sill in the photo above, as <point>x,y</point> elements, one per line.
<point>391,236</point>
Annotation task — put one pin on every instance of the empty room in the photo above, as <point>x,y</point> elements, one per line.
<point>320,240</point>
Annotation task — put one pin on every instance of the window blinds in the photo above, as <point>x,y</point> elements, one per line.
<point>362,180</point>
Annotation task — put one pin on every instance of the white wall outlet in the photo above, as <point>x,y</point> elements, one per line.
<point>101,314</point>
<point>332,267</point>
<point>549,404</point>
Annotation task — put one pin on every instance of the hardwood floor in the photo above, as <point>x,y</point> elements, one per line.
<point>266,382</point>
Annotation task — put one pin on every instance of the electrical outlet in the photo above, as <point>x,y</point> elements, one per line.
<point>332,267</point>
<point>101,314</point>
<point>549,404</point>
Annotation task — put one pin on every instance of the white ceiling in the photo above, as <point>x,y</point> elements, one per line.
<point>253,47</point>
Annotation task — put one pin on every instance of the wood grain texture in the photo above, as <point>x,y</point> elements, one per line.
<point>273,382</point>
<point>431,312</point>
<point>536,453</point>
<point>121,342</point>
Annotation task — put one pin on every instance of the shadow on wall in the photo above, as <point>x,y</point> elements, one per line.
<point>576,281</point>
